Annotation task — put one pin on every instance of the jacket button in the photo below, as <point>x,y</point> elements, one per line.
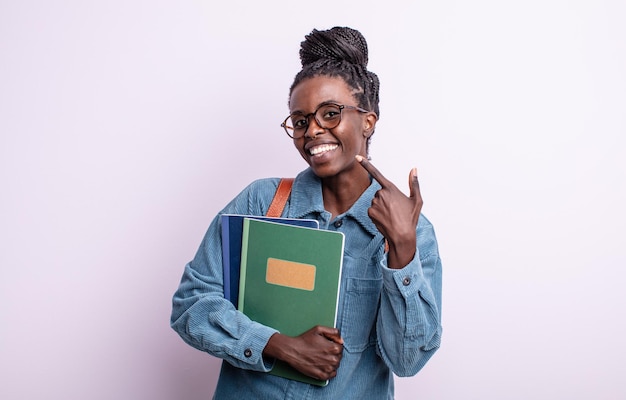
<point>247,353</point>
<point>406,281</point>
<point>338,223</point>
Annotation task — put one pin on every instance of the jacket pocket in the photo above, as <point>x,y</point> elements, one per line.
<point>360,309</point>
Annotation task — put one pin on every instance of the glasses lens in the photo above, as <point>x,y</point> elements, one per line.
<point>296,125</point>
<point>328,116</point>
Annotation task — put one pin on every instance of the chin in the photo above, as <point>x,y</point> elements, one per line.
<point>325,171</point>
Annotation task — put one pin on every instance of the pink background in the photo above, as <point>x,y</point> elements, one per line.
<point>126,125</point>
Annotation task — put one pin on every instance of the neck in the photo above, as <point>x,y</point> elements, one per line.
<point>340,192</point>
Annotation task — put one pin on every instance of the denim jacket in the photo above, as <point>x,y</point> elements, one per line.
<point>390,320</point>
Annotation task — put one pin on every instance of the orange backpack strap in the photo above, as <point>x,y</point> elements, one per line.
<point>280,198</point>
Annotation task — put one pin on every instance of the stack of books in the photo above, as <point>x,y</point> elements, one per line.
<point>283,273</point>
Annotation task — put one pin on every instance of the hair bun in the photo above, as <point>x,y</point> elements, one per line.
<point>337,44</point>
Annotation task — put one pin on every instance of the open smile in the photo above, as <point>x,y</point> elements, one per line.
<point>321,149</point>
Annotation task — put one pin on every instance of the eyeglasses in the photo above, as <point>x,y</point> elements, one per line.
<point>327,116</point>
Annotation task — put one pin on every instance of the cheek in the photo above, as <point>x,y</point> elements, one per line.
<point>354,139</point>
<point>300,148</point>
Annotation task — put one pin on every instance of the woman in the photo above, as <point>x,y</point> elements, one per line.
<point>389,319</point>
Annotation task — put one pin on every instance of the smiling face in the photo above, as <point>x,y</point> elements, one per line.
<point>330,152</point>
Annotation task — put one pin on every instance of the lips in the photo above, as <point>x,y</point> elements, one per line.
<point>321,149</point>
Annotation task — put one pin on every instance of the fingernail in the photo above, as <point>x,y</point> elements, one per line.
<point>359,157</point>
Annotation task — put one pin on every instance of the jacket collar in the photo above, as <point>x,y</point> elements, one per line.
<point>306,199</point>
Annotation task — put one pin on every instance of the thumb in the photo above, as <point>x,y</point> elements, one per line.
<point>414,185</point>
<point>333,335</point>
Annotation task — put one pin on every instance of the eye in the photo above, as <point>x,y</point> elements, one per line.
<point>330,113</point>
<point>299,121</point>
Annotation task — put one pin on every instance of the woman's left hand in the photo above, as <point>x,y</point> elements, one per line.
<point>395,215</point>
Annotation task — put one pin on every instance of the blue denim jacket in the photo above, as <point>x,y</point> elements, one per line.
<point>390,320</point>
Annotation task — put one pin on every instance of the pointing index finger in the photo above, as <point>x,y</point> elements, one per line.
<point>374,172</point>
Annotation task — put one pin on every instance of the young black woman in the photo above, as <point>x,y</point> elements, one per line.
<point>389,315</point>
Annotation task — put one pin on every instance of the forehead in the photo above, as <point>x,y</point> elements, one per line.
<point>311,92</point>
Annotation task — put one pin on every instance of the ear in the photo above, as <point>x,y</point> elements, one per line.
<point>369,124</point>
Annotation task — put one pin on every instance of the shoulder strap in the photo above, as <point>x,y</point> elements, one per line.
<point>280,198</point>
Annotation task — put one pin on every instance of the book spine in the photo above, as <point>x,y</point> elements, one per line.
<point>226,257</point>
<point>244,260</point>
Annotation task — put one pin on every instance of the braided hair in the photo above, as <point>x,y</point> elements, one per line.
<point>340,52</point>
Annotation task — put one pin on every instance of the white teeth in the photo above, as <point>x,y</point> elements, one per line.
<point>323,148</point>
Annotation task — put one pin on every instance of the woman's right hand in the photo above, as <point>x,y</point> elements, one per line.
<point>316,353</point>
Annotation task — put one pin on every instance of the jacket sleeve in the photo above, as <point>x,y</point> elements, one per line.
<point>201,315</point>
<point>409,322</point>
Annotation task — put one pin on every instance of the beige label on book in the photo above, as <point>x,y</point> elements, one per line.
<point>290,274</point>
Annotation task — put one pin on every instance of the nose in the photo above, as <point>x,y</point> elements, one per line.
<point>313,129</point>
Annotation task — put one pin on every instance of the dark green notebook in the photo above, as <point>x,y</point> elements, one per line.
<point>290,278</point>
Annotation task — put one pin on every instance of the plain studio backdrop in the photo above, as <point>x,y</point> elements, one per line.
<point>125,126</point>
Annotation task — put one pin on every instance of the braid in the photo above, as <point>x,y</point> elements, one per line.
<point>340,52</point>
<point>336,44</point>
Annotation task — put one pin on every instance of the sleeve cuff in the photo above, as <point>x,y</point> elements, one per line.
<point>251,350</point>
<point>405,281</point>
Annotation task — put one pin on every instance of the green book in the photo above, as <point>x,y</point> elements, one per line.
<point>290,278</point>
